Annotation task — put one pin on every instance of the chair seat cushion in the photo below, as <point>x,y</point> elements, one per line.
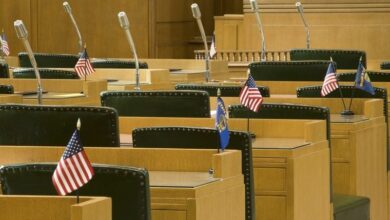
<point>350,207</point>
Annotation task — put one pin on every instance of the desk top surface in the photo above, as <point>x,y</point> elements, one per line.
<point>258,143</point>
<point>278,143</point>
<point>55,95</point>
<point>338,118</point>
<point>179,179</point>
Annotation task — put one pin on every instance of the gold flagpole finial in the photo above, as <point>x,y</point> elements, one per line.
<point>85,45</point>
<point>78,124</point>
<point>331,59</point>
<point>361,58</point>
<point>219,92</point>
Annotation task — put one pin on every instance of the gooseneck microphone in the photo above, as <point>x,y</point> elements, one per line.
<point>255,9</point>
<point>125,25</point>
<point>197,15</point>
<point>300,11</point>
<point>22,34</point>
<point>68,10</point>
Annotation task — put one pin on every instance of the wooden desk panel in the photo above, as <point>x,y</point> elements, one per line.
<point>286,177</point>
<point>11,98</point>
<point>54,207</point>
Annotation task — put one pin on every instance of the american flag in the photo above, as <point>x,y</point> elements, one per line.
<point>74,169</point>
<point>250,95</point>
<point>4,44</point>
<point>83,66</point>
<point>330,82</point>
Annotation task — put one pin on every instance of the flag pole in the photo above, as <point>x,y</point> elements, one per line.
<point>85,63</point>
<point>219,150</point>
<point>78,125</point>
<point>345,112</point>
<point>1,44</point>
<point>354,86</point>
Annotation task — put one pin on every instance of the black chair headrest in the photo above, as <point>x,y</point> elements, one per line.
<point>40,125</point>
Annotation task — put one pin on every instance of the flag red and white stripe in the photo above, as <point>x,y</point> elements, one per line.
<point>74,169</point>
<point>330,82</point>
<point>4,45</point>
<point>250,95</point>
<point>83,66</point>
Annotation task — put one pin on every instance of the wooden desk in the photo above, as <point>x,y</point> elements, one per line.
<point>54,207</point>
<point>195,197</point>
<point>61,92</point>
<point>359,155</point>
<point>290,159</point>
<point>124,79</point>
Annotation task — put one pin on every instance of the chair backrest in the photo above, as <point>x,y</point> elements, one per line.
<point>375,76</point>
<point>46,60</point>
<point>202,138</point>
<point>283,111</point>
<point>6,89</point>
<point>345,59</point>
<point>289,70</point>
<point>226,90</point>
<point>385,66</point>
<point>39,125</point>
<point>159,103</point>
<point>113,64</point>
<point>128,187</point>
<point>4,72</point>
<point>29,73</point>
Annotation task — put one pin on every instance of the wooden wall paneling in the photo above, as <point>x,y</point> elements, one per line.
<point>175,26</point>
<point>228,31</point>
<point>98,23</point>
<point>10,11</point>
<point>345,25</point>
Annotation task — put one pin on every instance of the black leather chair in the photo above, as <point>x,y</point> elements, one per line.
<point>385,66</point>
<point>34,125</point>
<point>375,76</point>
<point>159,103</point>
<point>120,64</point>
<point>28,73</point>
<point>49,60</point>
<point>128,187</point>
<point>289,71</point>
<point>345,59</point>
<point>202,138</point>
<point>226,90</point>
<point>283,111</point>
<point>4,72</point>
<point>344,206</point>
<point>6,89</point>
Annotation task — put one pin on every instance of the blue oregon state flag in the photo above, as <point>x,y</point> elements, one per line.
<point>362,80</point>
<point>221,124</point>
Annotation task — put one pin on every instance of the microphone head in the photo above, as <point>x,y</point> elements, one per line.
<point>196,11</point>
<point>254,5</point>
<point>299,7</point>
<point>123,20</point>
<point>67,7</point>
<point>20,29</point>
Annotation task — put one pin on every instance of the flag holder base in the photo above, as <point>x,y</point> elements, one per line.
<point>347,113</point>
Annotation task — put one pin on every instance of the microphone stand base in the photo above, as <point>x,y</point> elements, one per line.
<point>347,113</point>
